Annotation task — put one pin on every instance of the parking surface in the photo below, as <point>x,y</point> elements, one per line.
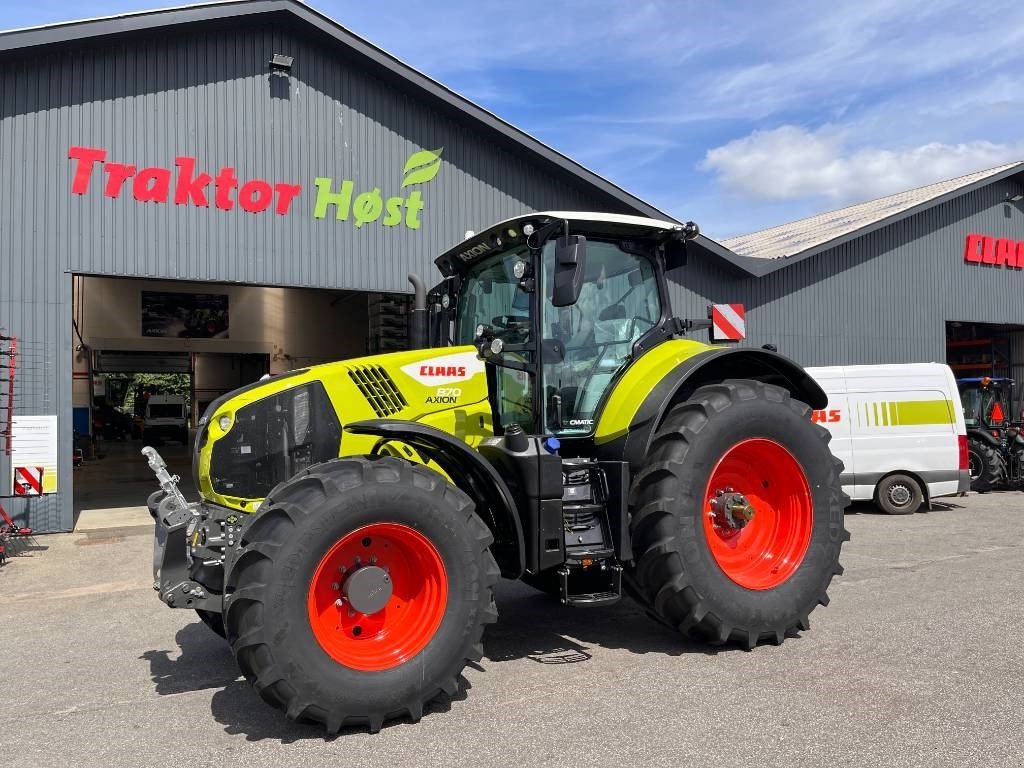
<point>917,662</point>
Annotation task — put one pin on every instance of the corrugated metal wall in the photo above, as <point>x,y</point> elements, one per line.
<point>882,298</point>
<point>209,95</point>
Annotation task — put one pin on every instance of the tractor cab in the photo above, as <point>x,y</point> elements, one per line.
<point>987,402</point>
<point>559,305</point>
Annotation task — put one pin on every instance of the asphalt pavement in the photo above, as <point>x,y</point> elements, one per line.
<point>917,662</point>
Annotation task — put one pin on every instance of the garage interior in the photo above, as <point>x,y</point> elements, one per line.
<point>987,349</point>
<point>137,338</point>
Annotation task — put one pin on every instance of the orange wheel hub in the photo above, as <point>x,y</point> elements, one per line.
<point>758,514</point>
<point>377,597</point>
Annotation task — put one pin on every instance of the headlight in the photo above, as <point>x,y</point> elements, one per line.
<point>224,422</point>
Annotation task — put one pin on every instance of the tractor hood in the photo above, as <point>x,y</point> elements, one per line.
<point>265,433</point>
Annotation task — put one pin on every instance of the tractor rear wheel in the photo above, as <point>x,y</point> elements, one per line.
<point>737,517</point>
<point>987,466</point>
<point>360,592</point>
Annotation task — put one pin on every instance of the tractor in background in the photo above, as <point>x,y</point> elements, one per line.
<point>995,444</point>
<point>551,425</point>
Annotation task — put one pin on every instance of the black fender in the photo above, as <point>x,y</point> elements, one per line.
<point>709,367</point>
<point>984,436</point>
<point>472,474</point>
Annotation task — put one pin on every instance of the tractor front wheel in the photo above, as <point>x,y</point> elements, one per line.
<point>737,517</point>
<point>360,592</point>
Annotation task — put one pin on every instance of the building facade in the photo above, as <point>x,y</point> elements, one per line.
<point>257,143</point>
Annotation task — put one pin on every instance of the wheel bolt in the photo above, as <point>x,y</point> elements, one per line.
<point>373,559</point>
<point>335,586</point>
<point>339,602</point>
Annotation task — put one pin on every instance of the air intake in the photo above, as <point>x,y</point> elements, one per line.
<point>378,389</point>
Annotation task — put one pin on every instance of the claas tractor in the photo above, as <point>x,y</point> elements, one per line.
<point>557,428</point>
<point>995,445</point>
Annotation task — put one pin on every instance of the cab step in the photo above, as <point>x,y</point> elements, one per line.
<point>609,577</point>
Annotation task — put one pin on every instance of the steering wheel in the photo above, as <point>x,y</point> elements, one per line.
<point>511,322</point>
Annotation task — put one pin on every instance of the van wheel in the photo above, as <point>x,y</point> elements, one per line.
<point>899,495</point>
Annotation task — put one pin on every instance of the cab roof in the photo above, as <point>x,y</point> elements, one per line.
<point>509,232</point>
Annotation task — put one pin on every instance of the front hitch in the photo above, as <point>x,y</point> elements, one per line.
<point>175,520</point>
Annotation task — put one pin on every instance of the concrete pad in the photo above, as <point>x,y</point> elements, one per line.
<point>914,664</point>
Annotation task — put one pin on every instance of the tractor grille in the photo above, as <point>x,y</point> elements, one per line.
<point>378,389</point>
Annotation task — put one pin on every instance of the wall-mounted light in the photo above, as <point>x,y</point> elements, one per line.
<point>1014,198</point>
<point>281,63</point>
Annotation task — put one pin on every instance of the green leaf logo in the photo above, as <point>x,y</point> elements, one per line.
<point>422,166</point>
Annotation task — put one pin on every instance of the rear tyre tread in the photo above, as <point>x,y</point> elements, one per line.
<point>659,581</point>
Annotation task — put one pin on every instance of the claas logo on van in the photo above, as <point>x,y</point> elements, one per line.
<point>826,417</point>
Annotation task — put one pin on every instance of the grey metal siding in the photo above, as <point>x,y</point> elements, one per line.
<point>881,298</point>
<point>208,94</point>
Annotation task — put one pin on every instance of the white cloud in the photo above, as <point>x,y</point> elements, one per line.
<point>790,163</point>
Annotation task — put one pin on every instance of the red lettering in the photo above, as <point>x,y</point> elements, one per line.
<point>255,196</point>
<point>462,370</point>
<point>285,194</point>
<point>1005,255</point>
<point>988,250</point>
<point>972,251</point>
<point>190,189</point>
<point>833,416</point>
<point>119,174</point>
<point>1020,254</point>
<point>822,417</point>
<point>152,185</point>
<point>224,183</point>
<point>86,157</point>
<point>817,416</point>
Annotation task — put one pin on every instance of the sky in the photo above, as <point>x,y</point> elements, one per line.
<point>738,115</point>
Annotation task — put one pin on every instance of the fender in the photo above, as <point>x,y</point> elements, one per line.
<point>984,436</point>
<point>707,367</point>
<point>472,474</point>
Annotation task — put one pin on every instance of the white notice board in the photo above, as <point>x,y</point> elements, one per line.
<point>34,444</point>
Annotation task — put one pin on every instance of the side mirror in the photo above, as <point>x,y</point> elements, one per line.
<point>570,264</point>
<point>675,254</point>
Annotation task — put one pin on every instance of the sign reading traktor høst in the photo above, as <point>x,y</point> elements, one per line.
<point>186,183</point>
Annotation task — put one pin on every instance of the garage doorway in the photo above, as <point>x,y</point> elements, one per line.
<point>975,350</point>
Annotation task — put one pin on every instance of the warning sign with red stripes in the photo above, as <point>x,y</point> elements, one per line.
<point>33,462</point>
<point>728,322</point>
<point>28,481</point>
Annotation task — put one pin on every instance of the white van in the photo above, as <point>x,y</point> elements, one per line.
<point>899,430</point>
<point>165,418</point>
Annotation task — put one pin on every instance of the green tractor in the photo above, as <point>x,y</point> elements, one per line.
<point>356,516</point>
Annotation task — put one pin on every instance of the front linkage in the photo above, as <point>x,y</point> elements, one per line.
<point>192,542</point>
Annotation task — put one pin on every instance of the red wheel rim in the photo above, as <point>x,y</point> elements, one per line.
<point>403,627</point>
<point>766,551</point>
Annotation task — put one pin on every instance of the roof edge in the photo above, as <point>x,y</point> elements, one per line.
<point>773,265</point>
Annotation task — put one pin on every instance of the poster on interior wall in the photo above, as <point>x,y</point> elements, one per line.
<point>184,315</point>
